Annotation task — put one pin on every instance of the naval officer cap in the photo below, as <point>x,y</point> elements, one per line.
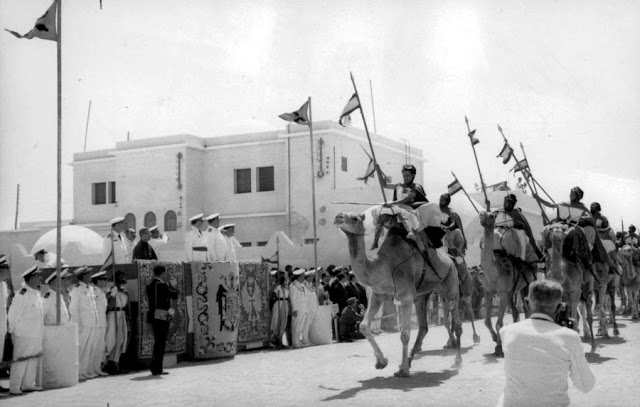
<point>310,273</point>
<point>41,251</point>
<point>80,271</point>
<point>30,272</point>
<point>100,274</point>
<point>212,216</point>
<point>152,228</point>
<point>196,218</point>
<point>227,226</point>
<point>64,273</point>
<point>273,271</point>
<point>116,220</point>
<point>297,272</point>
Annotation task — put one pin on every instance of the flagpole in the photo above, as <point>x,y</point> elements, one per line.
<point>473,147</point>
<point>544,215</point>
<point>533,180</point>
<point>59,162</point>
<point>373,108</point>
<point>465,192</point>
<point>373,153</point>
<point>313,196</point>
<point>86,130</point>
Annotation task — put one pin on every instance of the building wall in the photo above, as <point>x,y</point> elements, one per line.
<point>84,174</point>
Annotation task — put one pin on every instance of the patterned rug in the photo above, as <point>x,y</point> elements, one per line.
<point>177,338</point>
<point>254,310</point>
<point>215,293</point>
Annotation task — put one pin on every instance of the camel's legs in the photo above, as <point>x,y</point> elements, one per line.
<point>624,300</point>
<point>421,305</point>
<point>446,320</point>
<point>374,305</point>
<point>612,298</point>
<point>602,295</point>
<point>488,307</point>
<point>451,301</point>
<point>589,316</point>
<point>504,300</point>
<point>633,298</point>
<point>405,334</point>
<point>467,303</point>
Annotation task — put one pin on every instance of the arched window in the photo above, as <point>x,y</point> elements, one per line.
<point>170,221</point>
<point>130,221</point>
<point>149,219</point>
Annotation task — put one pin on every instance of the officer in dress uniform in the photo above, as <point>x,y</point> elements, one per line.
<point>26,325</point>
<point>195,243</point>
<point>227,232</point>
<point>119,245</point>
<point>50,299</point>
<point>83,312</point>
<point>215,241</point>
<point>312,304</point>
<point>298,298</point>
<point>130,240</point>
<point>99,283</point>
<point>46,259</point>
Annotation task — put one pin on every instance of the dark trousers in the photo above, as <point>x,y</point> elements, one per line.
<point>160,332</point>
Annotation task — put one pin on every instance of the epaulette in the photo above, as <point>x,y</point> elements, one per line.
<point>47,294</point>
<point>24,290</point>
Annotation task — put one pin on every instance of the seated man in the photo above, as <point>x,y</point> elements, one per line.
<point>511,217</point>
<point>350,322</point>
<point>571,212</point>
<point>631,238</point>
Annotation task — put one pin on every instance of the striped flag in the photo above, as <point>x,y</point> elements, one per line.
<point>300,116</point>
<point>108,262</point>
<point>45,27</point>
<point>472,136</point>
<point>521,165</point>
<point>454,187</point>
<point>352,105</point>
<point>506,153</point>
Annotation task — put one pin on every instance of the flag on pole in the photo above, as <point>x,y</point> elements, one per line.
<point>352,105</point>
<point>45,27</point>
<point>108,262</point>
<point>521,165</point>
<point>472,136</point>
<point>371,170</point>
<point>506,153</point>
<point>454,187</point>
<point>300,116</point>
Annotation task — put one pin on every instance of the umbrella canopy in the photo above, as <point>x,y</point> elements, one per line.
<point>79,245</point>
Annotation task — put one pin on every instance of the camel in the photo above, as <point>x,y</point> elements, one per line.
<point>466,292</point>
<point>500,278</point>
<point>569,272</point>
<point>399,270</point>
<point>606,284</point>
<point>630,280</point>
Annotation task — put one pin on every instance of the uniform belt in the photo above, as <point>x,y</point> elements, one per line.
<point>199,249</point>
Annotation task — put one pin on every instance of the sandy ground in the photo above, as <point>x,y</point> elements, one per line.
<point>343,374</point>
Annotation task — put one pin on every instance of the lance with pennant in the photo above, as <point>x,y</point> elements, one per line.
<point>465,192</point>
<point>373,154</point>
<point>473,142</point>
<point>544,215</point>
<point>533,180</point>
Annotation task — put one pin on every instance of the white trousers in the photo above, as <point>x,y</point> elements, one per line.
<point>25,375</point>
<point>86,348</point>
<point>312,310</point>
<point>100,352</point>
<point>297,326</point>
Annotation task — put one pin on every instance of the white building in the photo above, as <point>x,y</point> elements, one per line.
<point>259,181</point>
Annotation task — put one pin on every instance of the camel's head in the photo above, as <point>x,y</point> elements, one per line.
<point>626,252</point>
<point>487,219</point>
<point>557,231</point>
<point>350,223</point>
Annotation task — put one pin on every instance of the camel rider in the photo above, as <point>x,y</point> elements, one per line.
<point>631,238</point>
<point>512,217</point>
<point>572,212</point>
<point>445,200</point>
<point>406,197</point>
<point>606,233</point>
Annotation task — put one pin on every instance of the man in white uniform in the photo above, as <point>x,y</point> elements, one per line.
<point>312,304</point>
<point>298,297</point>
<point>216,243</point>
<point>98,283</point>
<point>46,259</point>
<point>50,299</point>
<point>26,326</point>
<point>158,242</point>
<point>130,241</point>
<point>227,232</point>
<point>195,243</point>
<point>83,312</point>
<point>118,245</point>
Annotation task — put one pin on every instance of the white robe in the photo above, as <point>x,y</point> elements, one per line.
<point>195,239</point>
<point>101,329</point>
<point>119,248</point>
<point>216,244</point>
<point>312,309</point>
<point>298,296</point>
<point>83,312</point>
<point>117,328</point>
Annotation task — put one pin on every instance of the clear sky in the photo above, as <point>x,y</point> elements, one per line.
<point>560,76</point>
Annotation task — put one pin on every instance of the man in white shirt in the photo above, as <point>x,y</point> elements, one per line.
<point>227,232</point>
<point>195,243</point>
<point>83,312</point>
<point>26,326</point>
<point>158,241</point>
<point>46,259</point>
<point>115,240</point>
<point>130,240</point>
<point>50,300</point>
<point>540,354</point>
<point>216,243</point>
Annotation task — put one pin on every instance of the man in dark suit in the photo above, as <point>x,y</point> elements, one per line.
<point>350,322</point>
<point>160,295</point>
<point>338,292</point>
<point>143,250</point>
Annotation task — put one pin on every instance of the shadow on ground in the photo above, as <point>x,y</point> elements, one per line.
<point>145,378</point>
<point>441,352</point>
<point>491,358</point>
<point>417,380</point>
<point>596,359</point>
